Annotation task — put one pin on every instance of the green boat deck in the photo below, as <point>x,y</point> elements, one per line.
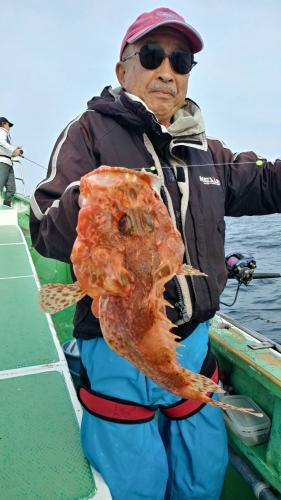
<point>40,453</point>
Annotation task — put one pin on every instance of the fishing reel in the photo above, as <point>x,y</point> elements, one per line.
<point>243,269</point>
<point>240,267</point>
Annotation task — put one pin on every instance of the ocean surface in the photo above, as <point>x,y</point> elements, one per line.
<point>258,305</point>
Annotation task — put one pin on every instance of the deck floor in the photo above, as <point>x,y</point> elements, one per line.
<point>40,453</point>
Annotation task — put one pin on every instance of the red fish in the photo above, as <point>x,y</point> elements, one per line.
<point>127,248</point>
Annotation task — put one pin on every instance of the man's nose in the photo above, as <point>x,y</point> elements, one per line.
<point>165,71</point>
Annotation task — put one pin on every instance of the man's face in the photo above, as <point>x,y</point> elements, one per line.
<point>6,126</point>
<point>162,89</point>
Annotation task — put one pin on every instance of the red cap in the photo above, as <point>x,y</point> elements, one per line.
<point>149,21</point>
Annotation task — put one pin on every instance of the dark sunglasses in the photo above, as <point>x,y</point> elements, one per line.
<point>151,56</point>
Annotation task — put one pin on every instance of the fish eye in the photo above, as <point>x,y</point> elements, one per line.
<point>125,225</point>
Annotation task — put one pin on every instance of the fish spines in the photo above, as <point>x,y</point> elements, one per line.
<point>226,406</point>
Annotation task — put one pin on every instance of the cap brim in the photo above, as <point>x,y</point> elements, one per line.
<point>195,40</point>
<point>10,124</point>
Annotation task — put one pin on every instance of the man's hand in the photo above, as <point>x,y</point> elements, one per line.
<point>18,151</point>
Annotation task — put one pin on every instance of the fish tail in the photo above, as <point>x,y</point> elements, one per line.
<point>198,385</point>
<point>226,406</point>
<point>57,296</point>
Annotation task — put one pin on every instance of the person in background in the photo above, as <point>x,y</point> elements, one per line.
<point>7,152</point>
<point>148,122</point>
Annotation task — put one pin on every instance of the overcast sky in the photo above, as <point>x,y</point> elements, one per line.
<point>56,55</point>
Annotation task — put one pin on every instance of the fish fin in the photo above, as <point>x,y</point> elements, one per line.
<point>188,270</point>
<point>200,385</point>
<point>55,296</point>
<point>226,406</point>
<point>168,304</point>
<point>162,317</point>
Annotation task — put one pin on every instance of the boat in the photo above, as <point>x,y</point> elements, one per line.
<point>41,455</point>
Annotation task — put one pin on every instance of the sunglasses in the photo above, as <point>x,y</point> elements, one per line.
<point>151,57</point>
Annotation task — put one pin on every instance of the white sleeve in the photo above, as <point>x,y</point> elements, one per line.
<point>3,140</point>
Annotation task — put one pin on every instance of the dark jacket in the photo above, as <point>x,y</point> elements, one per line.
<point>202,181</point>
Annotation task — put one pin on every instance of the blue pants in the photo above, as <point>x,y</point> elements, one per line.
<point>161,459</point>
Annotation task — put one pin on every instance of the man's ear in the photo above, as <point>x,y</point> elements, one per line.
<point>120,71</point>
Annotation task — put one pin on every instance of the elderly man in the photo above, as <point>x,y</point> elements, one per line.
<point>7,151</point>
<point>149,123</point>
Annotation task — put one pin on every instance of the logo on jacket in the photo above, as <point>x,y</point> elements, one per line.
<point>213,181</point>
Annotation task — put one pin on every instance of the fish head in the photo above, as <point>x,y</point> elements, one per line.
<point>126,192</point>
<point>117,216</point>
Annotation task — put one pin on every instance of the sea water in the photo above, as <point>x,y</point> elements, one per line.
<point>258,305</point>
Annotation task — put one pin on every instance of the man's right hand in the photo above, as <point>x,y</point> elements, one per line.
<point>17,151</point>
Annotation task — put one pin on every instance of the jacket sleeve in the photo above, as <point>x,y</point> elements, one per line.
<point>252,184</point>
<point>54,205</point>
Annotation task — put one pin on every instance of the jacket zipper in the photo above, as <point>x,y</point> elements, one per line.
<point>181,301</point>
<point>187,257</point>
<point>180,304</point>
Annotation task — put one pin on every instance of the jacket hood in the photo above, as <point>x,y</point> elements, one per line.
<point>130,111</point>
<point>110,103</point>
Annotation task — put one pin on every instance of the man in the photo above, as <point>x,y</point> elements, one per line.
<point>7,151</point>
<point>148,122</point>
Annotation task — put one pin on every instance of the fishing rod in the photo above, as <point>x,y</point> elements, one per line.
<point>261,276</point>
<point>34,162</point>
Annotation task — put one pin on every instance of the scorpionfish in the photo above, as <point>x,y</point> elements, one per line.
<point>126,249</point>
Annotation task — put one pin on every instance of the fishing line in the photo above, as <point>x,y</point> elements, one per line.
<point>258,163</point>
<point>34,162</point>
<point>235,298</point>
